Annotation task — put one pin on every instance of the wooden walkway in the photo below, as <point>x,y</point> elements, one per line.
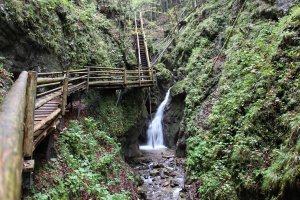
<point>52,90</point>
<point>37,102</point>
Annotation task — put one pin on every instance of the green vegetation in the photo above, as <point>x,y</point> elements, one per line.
<point>242,111</point>
<point>88,166</point>
<point>117,119</point>
<point>5,81</point>
<point>77,33</point>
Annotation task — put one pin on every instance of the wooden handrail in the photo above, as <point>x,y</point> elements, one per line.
<point>11,138</point>
<point>49,80</point>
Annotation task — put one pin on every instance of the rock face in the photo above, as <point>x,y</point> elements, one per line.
<point>172,119</point>
<point>21,52</point>
<point>50,35</point>
<point>285,4</point>
<point>135,100</point>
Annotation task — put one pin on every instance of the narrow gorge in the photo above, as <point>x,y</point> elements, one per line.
<point>150,99</point>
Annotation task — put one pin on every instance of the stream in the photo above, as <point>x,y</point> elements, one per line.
<point>162,173</point>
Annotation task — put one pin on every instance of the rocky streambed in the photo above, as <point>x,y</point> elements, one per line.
<point>162,174</point>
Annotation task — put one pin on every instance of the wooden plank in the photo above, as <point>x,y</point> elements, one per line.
<point>42,101</point>
<point>40,115</point>
<point>28,165</point>
<point>88,79</point>
<point>125,77</point>
<point>45,109</point>
<point>49,118</point>
<point>46,132</point>
<point>12,114</point>
<point>29,116</point>
<point>49,106</point>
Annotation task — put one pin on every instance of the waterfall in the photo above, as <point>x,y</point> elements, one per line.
<point>155,135</point>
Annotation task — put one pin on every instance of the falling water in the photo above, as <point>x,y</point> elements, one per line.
<point>155,135</point>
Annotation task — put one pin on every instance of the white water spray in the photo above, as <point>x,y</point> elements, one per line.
<point>155,133</point>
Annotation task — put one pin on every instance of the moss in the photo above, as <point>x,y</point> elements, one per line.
<point>178,88</point>
<point>76,33</point>
<point>117,120</point>
<point>162,72</point>
<point>5,82</point>
<point>242,100</point>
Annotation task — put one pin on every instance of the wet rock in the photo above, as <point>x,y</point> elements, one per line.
<point>157,178</point>
<point>162,175</point>
<point>165,184</point>
<point>157,165</point>
<point>173,174</point>
<point>145,176</point>
<point>160,184</point>
<point>173,116</point>
<point>142,194</point>
<point>154,172</point>
<point>174,183</point>
<point>136,101</point>
<point>151,166</point>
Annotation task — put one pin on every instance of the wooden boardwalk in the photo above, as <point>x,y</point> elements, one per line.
<point>53,89</point>
<point>37,102</point>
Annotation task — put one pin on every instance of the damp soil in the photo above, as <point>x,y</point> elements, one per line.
<point>162,174</point>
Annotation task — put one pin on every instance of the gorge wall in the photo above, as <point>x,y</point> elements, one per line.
<point>240,66</point>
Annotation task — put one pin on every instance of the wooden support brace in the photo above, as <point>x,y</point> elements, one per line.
<point>28,165</point>
<point>88,78</point>
<point>29,114</point>
<point>125,77</point>
<point>49,118</point>
<point>64,96</point>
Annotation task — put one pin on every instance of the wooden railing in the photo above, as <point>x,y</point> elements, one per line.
<point>34,106</point>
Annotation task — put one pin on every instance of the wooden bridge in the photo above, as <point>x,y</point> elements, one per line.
<point>37,102</point>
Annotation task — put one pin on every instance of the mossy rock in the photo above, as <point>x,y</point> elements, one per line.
<point>179,88</point>
<point>162,73</point>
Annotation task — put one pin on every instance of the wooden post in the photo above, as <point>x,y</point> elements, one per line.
<point>140,77</point>
<point>12,114</point>
<point>125,77</point>
<point>138,44</point>
<point>152,75</point>
<point>88,78</point>
<point>64,96</point>
<point>29,115</point>
<point>145,44</point>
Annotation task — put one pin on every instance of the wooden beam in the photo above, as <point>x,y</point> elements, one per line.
<point>64,96</point>
<point>48,92</point>
<point>88,79</point>
<point>42,101</point>
<point>29,116</point>
<point>28,165</point>
<point>12,114</point>
<point>49,84</point>
<point>47,119</point>
<point>48,80</point>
